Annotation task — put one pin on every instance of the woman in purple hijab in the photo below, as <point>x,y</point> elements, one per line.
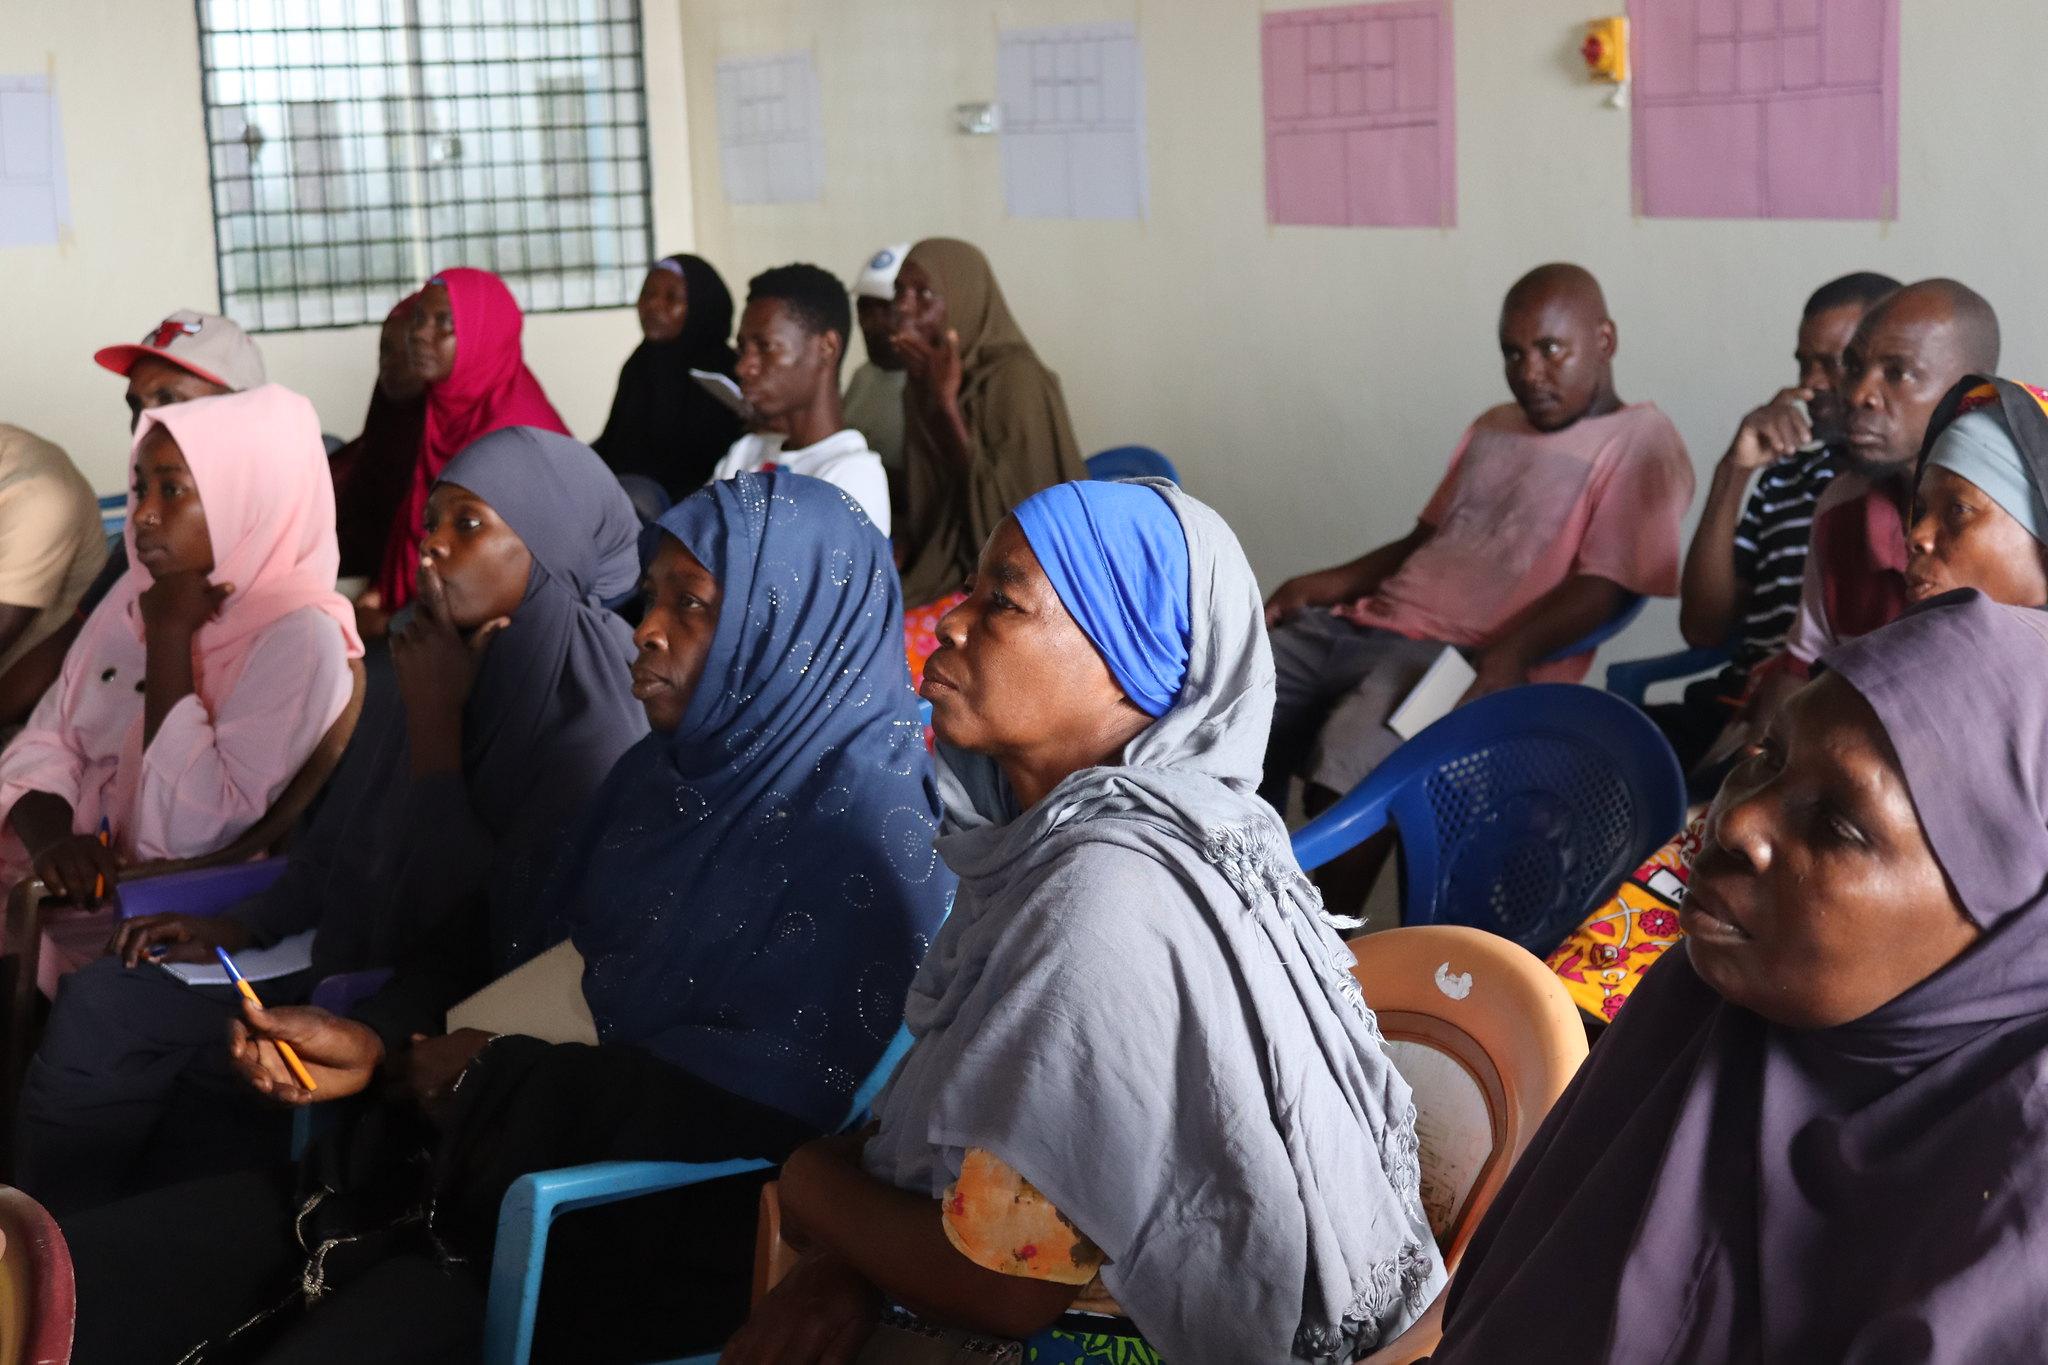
<point>1820,1133</point>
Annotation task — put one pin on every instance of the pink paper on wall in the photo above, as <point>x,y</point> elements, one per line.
<point>1359,129</point>
<point>1766,108</point>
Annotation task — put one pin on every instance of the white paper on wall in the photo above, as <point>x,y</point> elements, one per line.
<point>35,201</point>
<point>771,138</point>
<point>1073,131</point>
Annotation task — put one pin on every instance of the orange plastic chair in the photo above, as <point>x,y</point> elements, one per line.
<point>38,1297</point>
<point>1487,1038</point>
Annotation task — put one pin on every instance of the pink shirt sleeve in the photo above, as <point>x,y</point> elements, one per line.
<point>206,778</point>
<point>1635,535</point>
<point>1439,504</point>
<point>50,754</point>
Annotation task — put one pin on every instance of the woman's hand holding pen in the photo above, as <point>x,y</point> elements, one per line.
<point>80,868</point>
<point>342,1054</point>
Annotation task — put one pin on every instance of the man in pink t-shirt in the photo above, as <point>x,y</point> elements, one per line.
<point>1554,510</point>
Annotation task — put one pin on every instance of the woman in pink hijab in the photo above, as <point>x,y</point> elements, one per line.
<point>205,679</point>
<point>465,349</point>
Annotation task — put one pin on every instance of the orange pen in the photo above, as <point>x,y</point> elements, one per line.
<point>99,883</point>
<point>284,1049</point>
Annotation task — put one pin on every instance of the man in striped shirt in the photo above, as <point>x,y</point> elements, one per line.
<point>1748,557</point>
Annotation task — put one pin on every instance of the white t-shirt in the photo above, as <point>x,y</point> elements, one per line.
<point>842,459</point>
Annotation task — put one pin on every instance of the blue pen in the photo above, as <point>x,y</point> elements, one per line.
<point>284,1049</point>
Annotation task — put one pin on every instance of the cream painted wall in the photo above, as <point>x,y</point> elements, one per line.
<point>1310,382</point>
<point>127,78</point>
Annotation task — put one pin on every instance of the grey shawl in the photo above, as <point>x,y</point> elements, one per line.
<point>1136,1004</point>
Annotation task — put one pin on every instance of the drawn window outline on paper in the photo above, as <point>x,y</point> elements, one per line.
<point>1360,117</point>
<point>771,139</point>
<point>35,193</point>
<point>1766,109</point>
<point>1073,123</point>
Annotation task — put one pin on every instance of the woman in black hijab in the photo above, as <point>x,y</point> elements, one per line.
<point>664,425</point>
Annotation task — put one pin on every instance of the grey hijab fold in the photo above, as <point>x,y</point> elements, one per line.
<point>1137,1005</point>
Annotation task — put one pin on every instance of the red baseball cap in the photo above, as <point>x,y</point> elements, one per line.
<point>214,348</point>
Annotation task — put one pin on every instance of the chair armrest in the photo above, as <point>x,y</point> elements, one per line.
<point>531,1206</point>
<point>1631,679</point>
<point>198,891</point>
<point>1358,815</point>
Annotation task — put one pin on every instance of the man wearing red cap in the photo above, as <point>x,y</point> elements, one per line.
<point>188,355</point>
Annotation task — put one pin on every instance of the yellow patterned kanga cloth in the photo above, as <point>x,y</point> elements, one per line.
<point>996,1219</point>
<point>1601,960</point>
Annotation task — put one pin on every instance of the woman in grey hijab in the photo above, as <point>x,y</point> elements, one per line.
<point>1141,1059</point>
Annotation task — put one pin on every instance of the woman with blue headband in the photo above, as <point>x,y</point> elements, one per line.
<point>1090,1115</point>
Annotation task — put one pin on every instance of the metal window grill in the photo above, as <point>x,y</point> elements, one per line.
<point>357,146</point>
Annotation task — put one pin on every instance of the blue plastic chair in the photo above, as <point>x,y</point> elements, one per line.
<point>1624,616</point>
<point>113,514</point>
<point>1632,679</point>
<point>1131,462</point>
<point>1519,813</point>
<point>534,1202</point>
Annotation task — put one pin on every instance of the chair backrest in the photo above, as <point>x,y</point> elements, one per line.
<point>1487,1038</point>
<point>38,1296</point>
<point>1521,812</point>
<point>1131,462</point>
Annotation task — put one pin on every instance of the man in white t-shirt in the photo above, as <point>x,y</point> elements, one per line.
<point>792,338</point>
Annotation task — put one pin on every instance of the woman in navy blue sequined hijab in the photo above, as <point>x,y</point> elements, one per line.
<point>756,883</point>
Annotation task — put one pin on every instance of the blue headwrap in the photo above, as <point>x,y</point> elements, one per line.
<point>1118,558</point>
<point>753,892</point>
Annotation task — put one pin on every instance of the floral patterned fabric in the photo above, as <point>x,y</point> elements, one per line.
<point>1061,1347</point>
<point>998,1220</point>
<point>1601,961</point>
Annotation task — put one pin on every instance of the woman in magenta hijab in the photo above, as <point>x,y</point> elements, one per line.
<point>465,349</point>
<point>1817,1132</point>
<point>205,679</point>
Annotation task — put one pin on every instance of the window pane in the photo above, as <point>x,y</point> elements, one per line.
<point>352,148</point>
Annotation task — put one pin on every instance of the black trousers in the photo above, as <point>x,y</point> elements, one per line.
<point>650,1278</point>
<point>130,1088</point>
<point>188,1263</point>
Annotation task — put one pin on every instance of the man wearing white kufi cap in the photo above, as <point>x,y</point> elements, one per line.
<point>874,396</point>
